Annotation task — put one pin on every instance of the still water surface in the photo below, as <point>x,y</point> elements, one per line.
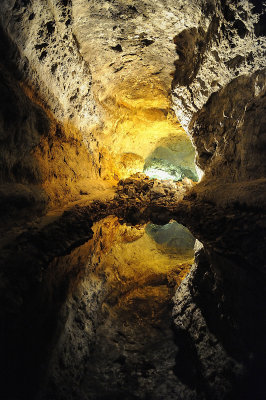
<point>116,335</point>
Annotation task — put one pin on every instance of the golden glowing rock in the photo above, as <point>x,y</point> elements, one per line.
<point>138,119</point>
<point>131,260</point>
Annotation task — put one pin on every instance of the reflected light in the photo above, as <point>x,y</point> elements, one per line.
<point>159,174</point>
<point>199,172</point>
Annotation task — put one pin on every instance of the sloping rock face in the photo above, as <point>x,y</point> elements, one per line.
<point>219,306</point>
<point>43,158</point>
<point>219,90</point>
<point>103,72</point>
<point>219,95</point>
<point>86,92</point>
<point>94,74</point>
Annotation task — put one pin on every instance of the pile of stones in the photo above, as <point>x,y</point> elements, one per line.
<point>141,188</point>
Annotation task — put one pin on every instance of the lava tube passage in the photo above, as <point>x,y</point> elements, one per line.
<point>125,274</point>
<point>173,158</point>
<point>141,132</point>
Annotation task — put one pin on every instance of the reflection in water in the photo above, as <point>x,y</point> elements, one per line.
<point>173,238</point>
<point>117,340</point>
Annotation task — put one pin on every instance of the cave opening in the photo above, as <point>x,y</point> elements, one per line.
<point>141,132</point>
<point>173,159</point>
<point>172,155</point>
<point>161,162</point>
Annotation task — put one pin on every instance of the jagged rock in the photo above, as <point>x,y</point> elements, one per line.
<point>88,91</point>
<point>157,191</point>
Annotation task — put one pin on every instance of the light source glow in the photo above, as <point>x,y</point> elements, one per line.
<point>199,172</point>
<point>158,174</point>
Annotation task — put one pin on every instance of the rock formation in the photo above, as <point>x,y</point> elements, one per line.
<point>93,92</point>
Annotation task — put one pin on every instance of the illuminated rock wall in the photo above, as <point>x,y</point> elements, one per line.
<point>103,74</point>
<point>219,89</point>
<point>100,74</point>
<point>44,159</point>
<point>87,92</point>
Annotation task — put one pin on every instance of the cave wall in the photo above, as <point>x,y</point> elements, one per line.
<point>49,59</point>
<point>103,80</point>
<point>102,74</point>
<point>219,90</point>
<point>69,87</point>
<point>219,96</point>
<point>45,161</point>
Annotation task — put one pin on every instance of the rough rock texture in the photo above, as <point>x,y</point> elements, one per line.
<point>131,69</point>
<point>219,331</point>
<point>233,122</point>
<point>86,93</point>
<point>109,88</point>
<point>140,189</point>
<point>43,160</point>
<point>82,77</point>
<point>211,56</point>
<point>219,90</point>
<point>53,69</point>
<point>219,306</point>
<point>219,96</point>
<point>116,311</point>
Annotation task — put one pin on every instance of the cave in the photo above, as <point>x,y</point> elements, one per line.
<point>132,193</point>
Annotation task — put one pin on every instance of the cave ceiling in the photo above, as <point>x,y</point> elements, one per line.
<point>123,77</point>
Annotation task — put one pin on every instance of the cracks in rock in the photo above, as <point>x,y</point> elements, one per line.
<point>192,101</point>
<point>191,46</point>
